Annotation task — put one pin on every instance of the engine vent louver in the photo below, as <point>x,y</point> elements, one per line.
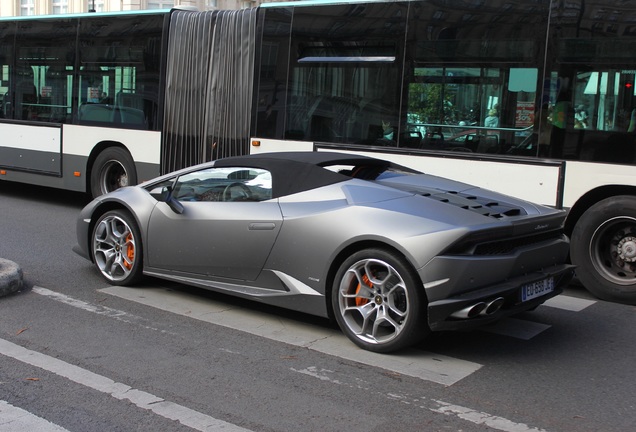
<point>476,204</point>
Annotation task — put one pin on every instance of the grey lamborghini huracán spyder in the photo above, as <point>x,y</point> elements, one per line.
<point>392,254</point>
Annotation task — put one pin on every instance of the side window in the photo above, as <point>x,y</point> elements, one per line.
<point>119,71</point>
<point>481,110</point>
<point>7,37</point>
<point>345,88</point>
<point>43,86</point>
<point>224,185</point>
<point>472,93</point>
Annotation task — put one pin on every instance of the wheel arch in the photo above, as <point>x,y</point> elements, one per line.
<point>99,148</point>
<point>592,197</point>
<point>350,250</point>
<point>98,212</point>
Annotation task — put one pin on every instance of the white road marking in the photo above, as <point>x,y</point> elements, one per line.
<point>142,399</point>
<point>482,418</point>
<point>96,309</point>
<point>513,327</point>
<point>419,364</point>
<point>568,303</point>
<point>438,406</point>
<point>526,330</point>
<point>14,419</point>
<point>416,363</point>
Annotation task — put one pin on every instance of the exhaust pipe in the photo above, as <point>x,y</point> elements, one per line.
<point>470,311</point>
<point>493,306</point>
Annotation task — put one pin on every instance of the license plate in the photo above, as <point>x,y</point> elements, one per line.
<point>537,289</point>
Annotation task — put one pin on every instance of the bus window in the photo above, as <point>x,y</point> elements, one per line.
<point>7,36</point>
<point>119,78</point>
<point>472,80</point>
<point>483,110</point>
<point>44,70</point>
<point>345,78</point>
<point>359,106</point>
<point>5,103</point>
<point>593,118</point>
<point>604,100</point>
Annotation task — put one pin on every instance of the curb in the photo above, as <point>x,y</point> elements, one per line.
<point>10,277</point>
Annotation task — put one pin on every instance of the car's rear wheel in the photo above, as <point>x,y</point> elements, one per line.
<point>116,247</point>
<point>603,246</point>
<point>378,302</point>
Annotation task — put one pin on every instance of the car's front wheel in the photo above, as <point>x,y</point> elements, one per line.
<point>116,247</point>
<point>378,302</point>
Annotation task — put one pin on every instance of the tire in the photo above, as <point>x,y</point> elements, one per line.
<point>116,248</point>
<point>603,246</point>
<point>379,302</point>
<point>113,169</point>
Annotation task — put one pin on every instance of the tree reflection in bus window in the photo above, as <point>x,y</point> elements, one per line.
<point>483,110</point>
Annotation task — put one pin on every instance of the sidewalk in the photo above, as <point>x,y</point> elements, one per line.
<point>10,277</point>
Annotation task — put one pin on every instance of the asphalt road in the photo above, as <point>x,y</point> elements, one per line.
<point>79,355</point>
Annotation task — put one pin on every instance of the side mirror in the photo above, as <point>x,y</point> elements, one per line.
<point>164,194</point>
<point>174,204</point>
<point>160,193</point>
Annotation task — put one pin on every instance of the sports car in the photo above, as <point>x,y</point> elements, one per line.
<point>390,253</point>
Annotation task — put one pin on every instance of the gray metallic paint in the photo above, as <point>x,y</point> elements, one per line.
<point>290,265</point>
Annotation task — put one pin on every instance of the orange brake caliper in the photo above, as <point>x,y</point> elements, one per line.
<point>130,252</point>
<point>361,301</point>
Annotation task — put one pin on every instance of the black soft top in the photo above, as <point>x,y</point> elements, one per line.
<point>294,172</point>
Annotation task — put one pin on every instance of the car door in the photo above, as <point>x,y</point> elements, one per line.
<point>227,229</point>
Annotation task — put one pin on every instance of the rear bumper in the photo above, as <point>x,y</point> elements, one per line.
<point>440,312</point>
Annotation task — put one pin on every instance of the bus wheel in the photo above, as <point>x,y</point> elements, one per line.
<point>113,169</point>
<point>378,303</point>
<point>603,246</point>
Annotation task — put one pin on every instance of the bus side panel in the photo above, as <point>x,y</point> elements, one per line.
<point>271,145</point>
<point>532,181</point>
<point>81,141</point>
<point>585,176</point>
<point>25,147</point>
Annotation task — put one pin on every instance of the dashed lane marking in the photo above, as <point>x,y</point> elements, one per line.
<point>416,363</point>
<point>568,303</point>
<point>142,399</point>
<point>526,330</point>
<point>422,402</point>
<point>14,419</point>
<point>516,328</point>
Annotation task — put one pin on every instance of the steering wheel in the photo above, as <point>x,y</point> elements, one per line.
<point>237,192</point>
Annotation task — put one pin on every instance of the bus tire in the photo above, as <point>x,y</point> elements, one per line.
<point>113,168</point>
<point>603,246</point>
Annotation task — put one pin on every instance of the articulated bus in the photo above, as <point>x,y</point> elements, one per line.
<point>533,98</point>
<point>93,102</point>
